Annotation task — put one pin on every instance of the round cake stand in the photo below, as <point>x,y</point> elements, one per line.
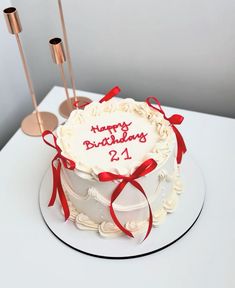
<point>175,226</point>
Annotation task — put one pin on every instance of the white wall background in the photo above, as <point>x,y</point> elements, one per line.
<point>181,51</point>
<point>14,99</point>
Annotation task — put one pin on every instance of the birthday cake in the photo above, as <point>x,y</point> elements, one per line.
<point>117,167</point>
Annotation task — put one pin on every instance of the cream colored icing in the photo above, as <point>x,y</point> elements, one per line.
<point>136,118</point>
<point>170,203</point>
<point>73,211</point>
<point>135,227</point>
<point>110,230</point>
<point>178,186</point>
<point>159,216</point>
<point>92,192</point>
<point>77,130</point>
<point>83,222</point>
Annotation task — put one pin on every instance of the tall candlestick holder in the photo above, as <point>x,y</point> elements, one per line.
<point>37,122</point>
<point>58,57</point>
<point>80,100</point>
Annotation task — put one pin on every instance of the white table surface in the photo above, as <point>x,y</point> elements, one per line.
<point>31,256</point>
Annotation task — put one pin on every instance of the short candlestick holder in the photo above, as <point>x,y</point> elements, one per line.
<point>58,57</point>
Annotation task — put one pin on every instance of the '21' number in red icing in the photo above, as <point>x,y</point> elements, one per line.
<point>114,157</point>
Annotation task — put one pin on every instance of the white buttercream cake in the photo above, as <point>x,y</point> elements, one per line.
<point>117,136</point>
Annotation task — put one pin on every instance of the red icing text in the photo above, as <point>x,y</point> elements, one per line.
<point>127,154</point>
<point>111,128</point>
<point>114,157</point>
<point>108,141</point>
<point>113,138</point>
<point>113,154</point>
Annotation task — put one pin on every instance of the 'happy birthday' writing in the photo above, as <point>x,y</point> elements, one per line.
<point>111,128</point>
<point>112,139</point>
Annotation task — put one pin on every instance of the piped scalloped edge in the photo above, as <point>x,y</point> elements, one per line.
<point>110,230</point>
<point>164,147</point>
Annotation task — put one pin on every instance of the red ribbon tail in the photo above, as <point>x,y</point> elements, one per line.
<point>76,104</point>
<point>150,222</point>
<point>145,168</point>
<point>62,196</point>
<point>181,149</point>
<point>58,186</point>
<point>117,222</point>
<point>113,92</point>
<point>53,195</point>
<point>114,196</point>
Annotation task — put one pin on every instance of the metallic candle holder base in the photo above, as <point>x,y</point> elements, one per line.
<point>33,126</point>
<point>65,110</point>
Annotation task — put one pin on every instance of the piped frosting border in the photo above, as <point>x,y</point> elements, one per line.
<point>110,230</point>
<point>159,153</point>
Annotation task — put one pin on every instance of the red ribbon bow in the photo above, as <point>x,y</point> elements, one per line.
<point>175,119</point>
<point>57,186</point>
<point>113,92</point>
<point>77,105</point>
<point>145,168</point>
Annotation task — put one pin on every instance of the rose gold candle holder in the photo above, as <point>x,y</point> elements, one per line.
<point>58,57</point>
<point>79,99</point>
<point>37,122</point>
